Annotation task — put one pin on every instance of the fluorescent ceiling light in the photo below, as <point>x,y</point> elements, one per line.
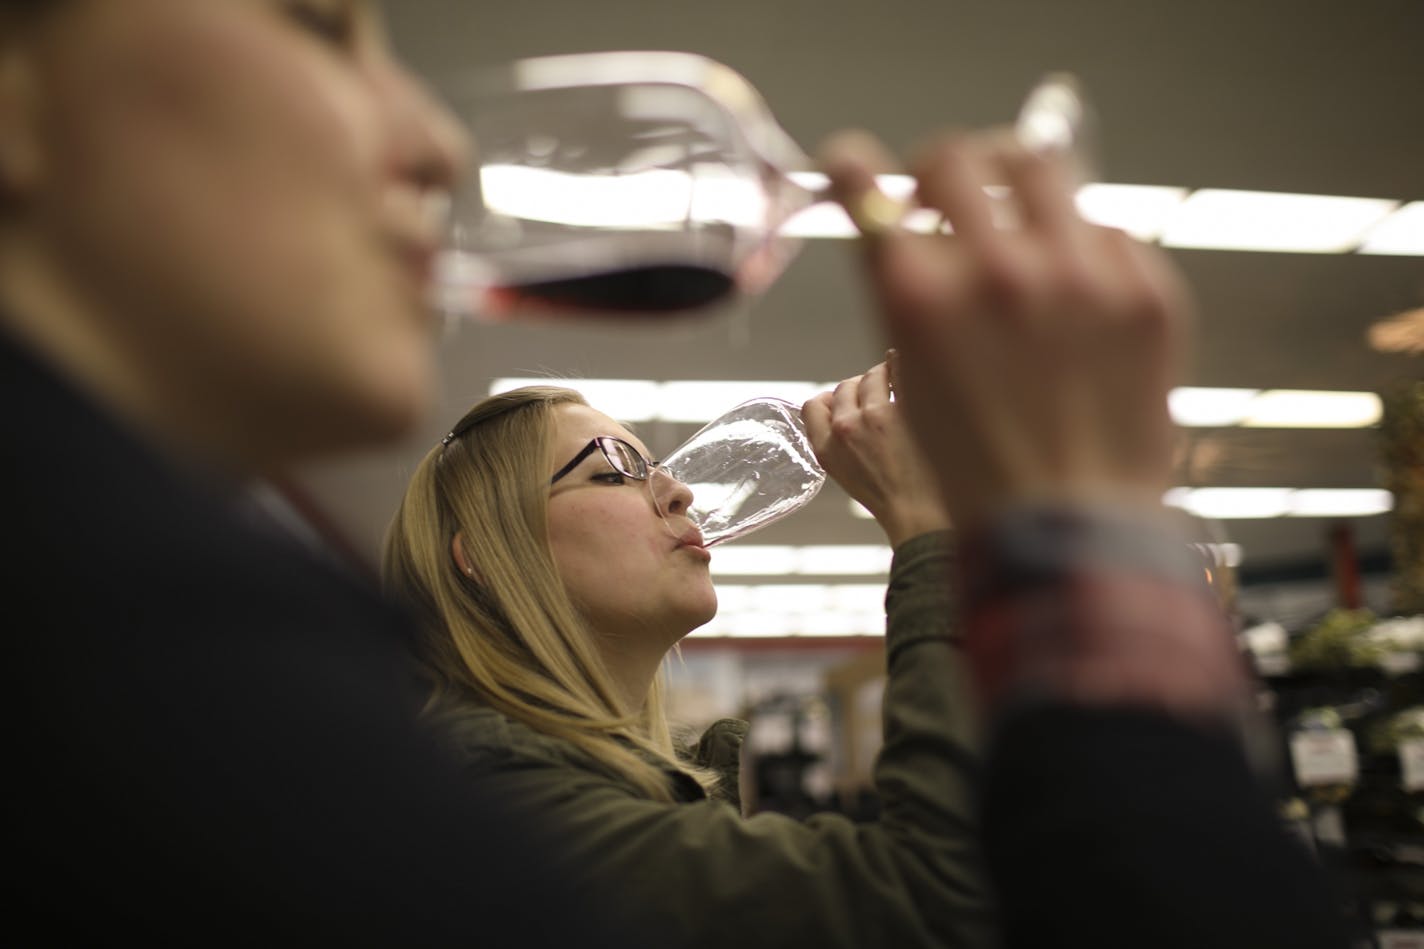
<point>746,625</point>
<point>658,198</point>
<point>899,187</point>
<point>654,198</point>
<point>924,221</point>
<point>813,181</point>
<point>704,401</point>
<point>840,624</point>
<point>856,597</point>
<point>1292,408</point>
<point>830,220</point>
<point>1269,221</point>
<point>770,625</point>
<point>860,510</point>
<point>1200,407</point>
<point>739,560</point>
<point>1140,210</point>
<point>802,598</point>
<point>1400,233</point>
<point>628,400</point>
<point>1341,502</point>
<point>819,560</point>
<point>1273,408</point>
<point>820,220</point>
<point>643,400</point>
<point>1228,503</point>
<point>1245,503</point>
<point>778,610</point>
<point>733,598</point>
<point>1229,554</point>
<point>844,559</point>
<point>789,597</point>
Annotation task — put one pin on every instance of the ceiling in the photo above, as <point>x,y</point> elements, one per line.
<point>1315,98</point>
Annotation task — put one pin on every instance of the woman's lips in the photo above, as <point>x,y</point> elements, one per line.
<point>692,540</point>
<point>701,553</point>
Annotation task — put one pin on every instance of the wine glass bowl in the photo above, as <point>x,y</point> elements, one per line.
<point>637,182</point>
<point>747,469</point>
<point>641,183</point>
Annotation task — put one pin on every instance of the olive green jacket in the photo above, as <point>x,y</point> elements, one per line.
<point>698,873</point>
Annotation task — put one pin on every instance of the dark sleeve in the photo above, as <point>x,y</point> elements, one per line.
<point>205,770</point>
<point>1120,808</point>
<point>1130,828</point>
<point>209,736</point>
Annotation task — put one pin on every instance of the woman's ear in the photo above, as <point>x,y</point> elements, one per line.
<point>457,551</point>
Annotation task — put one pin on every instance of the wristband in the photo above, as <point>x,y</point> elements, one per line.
<point>1034,546</point>
<point>1096,606</point>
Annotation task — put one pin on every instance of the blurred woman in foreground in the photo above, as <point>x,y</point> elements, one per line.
<point>215,232</point>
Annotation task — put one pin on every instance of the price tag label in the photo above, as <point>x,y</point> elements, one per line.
<point>1324,757</point>
<point>1411,764</point>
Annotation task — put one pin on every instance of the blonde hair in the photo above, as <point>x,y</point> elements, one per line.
<point>510,637</point>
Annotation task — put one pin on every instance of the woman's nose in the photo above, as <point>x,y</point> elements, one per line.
<point>434,149</point>
<point>670,494</point>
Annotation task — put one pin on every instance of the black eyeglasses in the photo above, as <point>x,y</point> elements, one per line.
<point>621,457</point>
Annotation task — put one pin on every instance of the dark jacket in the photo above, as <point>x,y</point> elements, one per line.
<point>700,874</point>
<point>210,734</point>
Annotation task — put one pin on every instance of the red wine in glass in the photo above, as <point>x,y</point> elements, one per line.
<point>640,184</point>
<point>647,289</point>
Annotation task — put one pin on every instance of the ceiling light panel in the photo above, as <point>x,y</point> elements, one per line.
<point>778,610</point>
<point>1270,221</point>
<point>863,560</point>
<point>1400,233</point>
<point>844,560</point>
<point>704,401</point>
<point>1140,210</point>
<point>629,400</point>
<point>1201,407</point>
<point>1255,503</point>
<point>1300,408</point>
<point>643,400</point>
<point>1340,502</point>
<point>749,560</point>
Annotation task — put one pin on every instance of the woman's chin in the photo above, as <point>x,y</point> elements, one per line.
<point>698,618</point>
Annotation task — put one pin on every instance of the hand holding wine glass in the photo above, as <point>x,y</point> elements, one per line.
<point>1035,360</point>
<point>860,437</point>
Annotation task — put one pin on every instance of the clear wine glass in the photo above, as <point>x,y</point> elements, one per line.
<point>643,183</point>
<point>747,469</point>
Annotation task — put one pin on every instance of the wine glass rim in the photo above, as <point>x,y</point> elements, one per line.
<point>722,85</point>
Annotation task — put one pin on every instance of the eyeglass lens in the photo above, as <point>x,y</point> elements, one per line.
<point>624,458</point>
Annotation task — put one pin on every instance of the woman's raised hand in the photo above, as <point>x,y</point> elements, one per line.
<point>861,439</point>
